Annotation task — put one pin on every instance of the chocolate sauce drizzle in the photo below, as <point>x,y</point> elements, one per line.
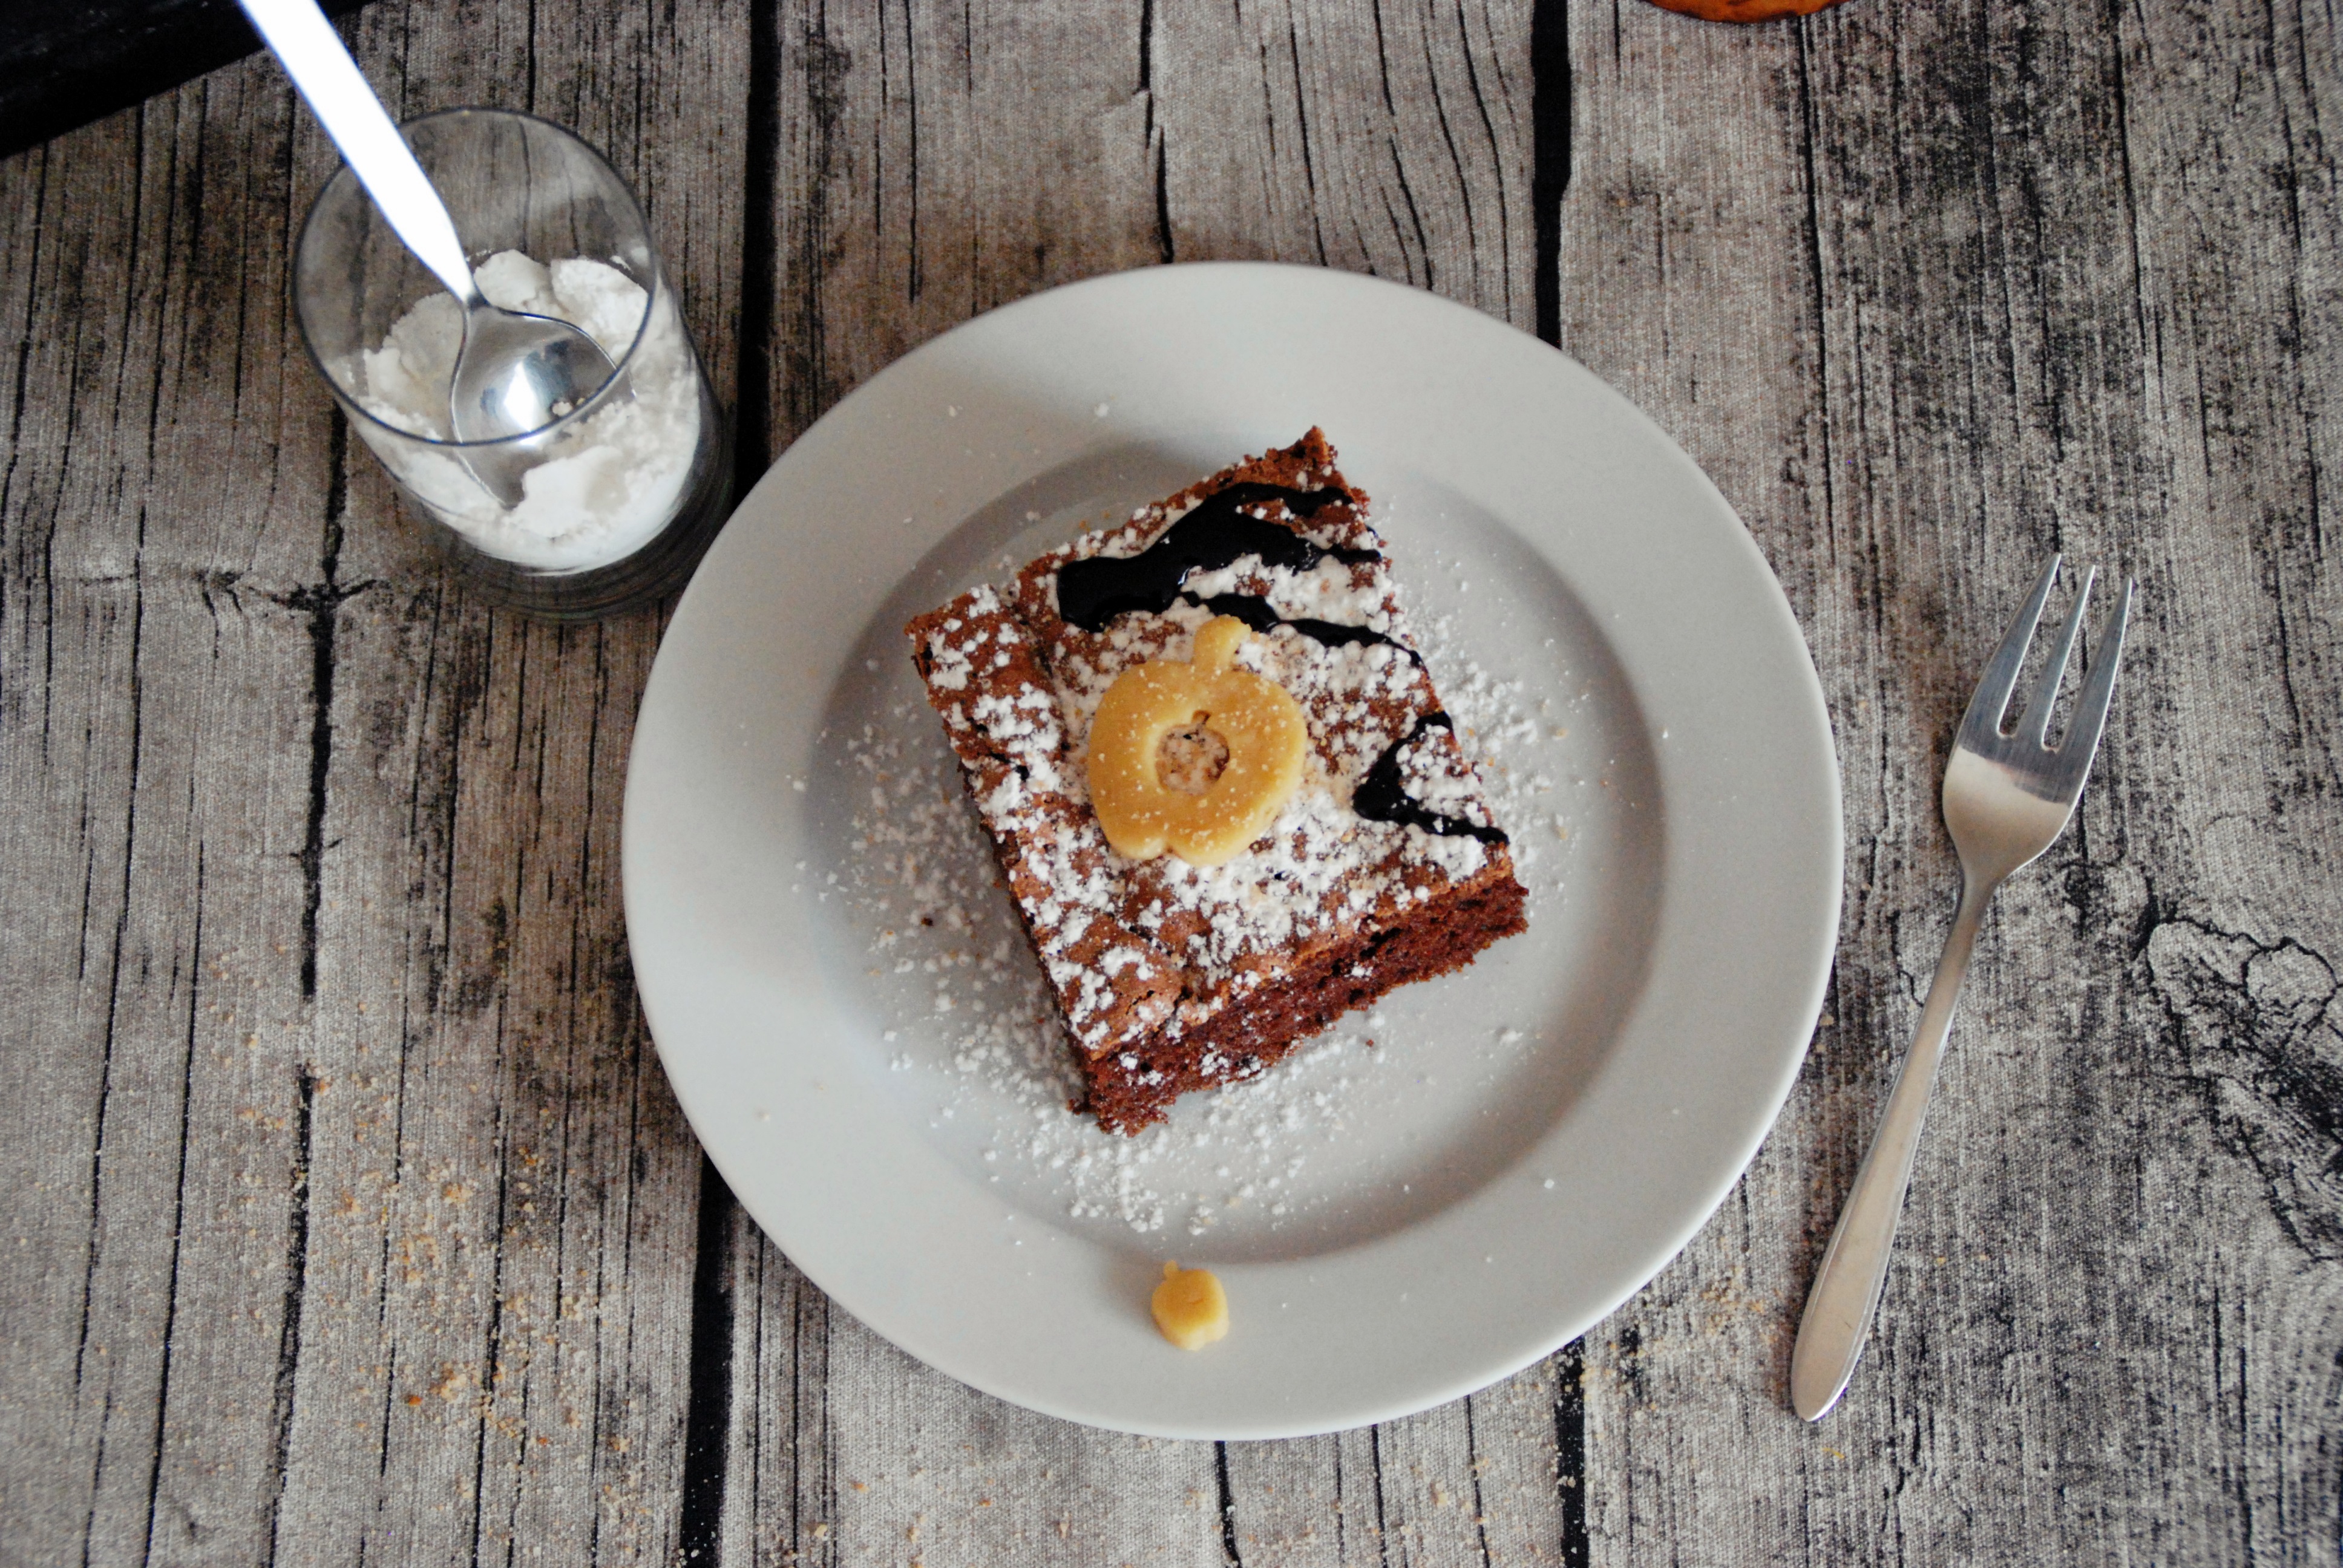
<point>1380,798</point>
<point>1255,612</point>
<point>1217,533</point>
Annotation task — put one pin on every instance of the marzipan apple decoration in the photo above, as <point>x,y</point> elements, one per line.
<point>1261,725</point>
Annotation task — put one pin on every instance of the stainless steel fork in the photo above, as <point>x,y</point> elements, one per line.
<point>2007,796</point>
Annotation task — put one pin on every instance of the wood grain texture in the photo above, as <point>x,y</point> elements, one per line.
<point>155,1145</point>
<point>358,1223</point>
<point>1980,249</point>
<point>355,1221</point>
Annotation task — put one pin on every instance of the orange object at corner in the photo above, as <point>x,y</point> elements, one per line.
<point>1743,10</point>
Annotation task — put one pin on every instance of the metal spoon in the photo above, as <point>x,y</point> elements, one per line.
<point>515,372</point>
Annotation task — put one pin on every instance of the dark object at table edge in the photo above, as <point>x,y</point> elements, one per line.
<point>64,65</point>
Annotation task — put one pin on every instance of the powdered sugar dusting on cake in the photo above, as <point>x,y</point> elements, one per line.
<point>1322,872</point>
<point>1385,866</point>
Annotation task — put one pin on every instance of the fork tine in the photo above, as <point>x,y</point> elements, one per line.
<point>1982,724</point>
<point>2035,722</point>
<point>2082,739</point>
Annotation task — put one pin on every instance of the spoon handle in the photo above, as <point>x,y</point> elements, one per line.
<point>312,55</point>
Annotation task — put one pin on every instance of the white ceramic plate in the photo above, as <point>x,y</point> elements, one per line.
<point>840,997</point>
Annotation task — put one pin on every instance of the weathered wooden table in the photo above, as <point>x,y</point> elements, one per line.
<point>350,1217</point>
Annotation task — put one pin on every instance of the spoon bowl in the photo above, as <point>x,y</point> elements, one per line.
<point>520,372</point>
<point>516,373</point>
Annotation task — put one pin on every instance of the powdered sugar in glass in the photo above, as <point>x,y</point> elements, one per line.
<point>620,496</point>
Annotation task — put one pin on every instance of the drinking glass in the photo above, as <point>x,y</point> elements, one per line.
<point>621,495</point>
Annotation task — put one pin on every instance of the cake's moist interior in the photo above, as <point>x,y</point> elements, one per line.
<point>1138,1086</point>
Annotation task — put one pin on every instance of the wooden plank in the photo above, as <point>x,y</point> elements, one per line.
<point>363,1220</point>
<point>1394,140</point>
<point>1687,282</point>
<point>1471,1482</point>
<point>506,1335</point>
<point>155,790</point>
<point>1902,278</point>
<point>1389,139</point>
<point>928,168</point>
<point>2236,923</point>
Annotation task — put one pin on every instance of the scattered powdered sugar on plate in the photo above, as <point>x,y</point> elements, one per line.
<point>975,1048</point>
<point>1507,729</point>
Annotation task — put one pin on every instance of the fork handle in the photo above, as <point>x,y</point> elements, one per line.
<point>1846,1288</point>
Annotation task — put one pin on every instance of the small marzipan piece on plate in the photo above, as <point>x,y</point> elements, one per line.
<point>1190,1307</point>
<point>1743,10</point>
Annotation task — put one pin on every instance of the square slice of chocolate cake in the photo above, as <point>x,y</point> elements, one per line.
<point>1297,884</point>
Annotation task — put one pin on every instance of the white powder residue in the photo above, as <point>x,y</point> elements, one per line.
<point>921,883</point>
<point>612,483</point>
<point>1331,590</point>
<point>1497,719</point>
